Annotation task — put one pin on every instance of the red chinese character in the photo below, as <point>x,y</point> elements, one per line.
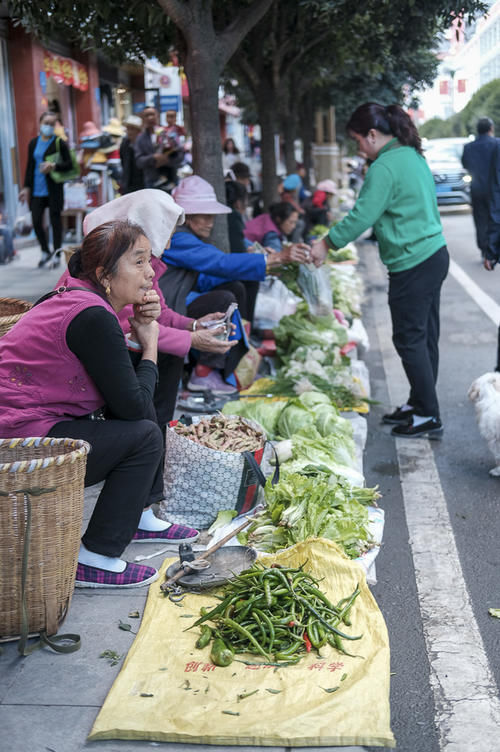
<point>318,666</point>
<point>253,668</point>
<point>335,666</point>
<point>208,667</point>
<point>192,666</point>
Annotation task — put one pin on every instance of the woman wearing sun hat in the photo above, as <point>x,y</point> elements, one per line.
<point>201,278</point>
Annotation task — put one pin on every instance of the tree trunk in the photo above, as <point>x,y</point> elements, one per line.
<point>266,115</point>
<point>203,79</point>
<point>306,121</point>
<point>289,123</point>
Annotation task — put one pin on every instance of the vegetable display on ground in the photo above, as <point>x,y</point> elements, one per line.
<point>276,613</point>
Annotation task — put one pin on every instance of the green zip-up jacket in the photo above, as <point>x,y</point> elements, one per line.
<point>398,199</point>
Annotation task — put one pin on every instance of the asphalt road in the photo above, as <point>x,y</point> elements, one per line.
<point>419,704</point>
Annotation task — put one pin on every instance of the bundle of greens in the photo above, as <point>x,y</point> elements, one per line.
<point>312,409</point>
<point>301,507</point>
<point>347,290</point>
<point>303,329</point>
<point>342,254</point>
<point>331,455</point>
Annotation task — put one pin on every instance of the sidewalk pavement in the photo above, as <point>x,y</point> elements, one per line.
<point>23,279</point>
<point>49,701</point>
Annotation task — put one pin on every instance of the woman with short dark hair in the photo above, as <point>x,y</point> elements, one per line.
<point>398,199</point>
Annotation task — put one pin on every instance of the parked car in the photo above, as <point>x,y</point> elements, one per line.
<point>452,181</point>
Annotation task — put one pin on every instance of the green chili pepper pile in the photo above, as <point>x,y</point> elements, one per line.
<point>278,613</point>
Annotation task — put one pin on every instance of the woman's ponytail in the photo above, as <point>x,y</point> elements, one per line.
<point>402,127</point>
<point>391,120</point>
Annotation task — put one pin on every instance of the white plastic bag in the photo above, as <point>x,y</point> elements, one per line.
<point>24,223</point>
<point>315,285</point>
<point>274,300</point>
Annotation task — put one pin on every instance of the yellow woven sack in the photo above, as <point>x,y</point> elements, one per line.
<point>168,691</point>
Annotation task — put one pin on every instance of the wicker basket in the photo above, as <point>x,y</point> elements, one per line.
<point>11,311</point>
<point>41,511</point>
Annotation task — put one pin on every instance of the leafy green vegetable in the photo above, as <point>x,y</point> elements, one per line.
<point>300,507</point>
<point>223,518</point>
<point>303,329</point>
<point>293,418</point>
<point>265,412</point>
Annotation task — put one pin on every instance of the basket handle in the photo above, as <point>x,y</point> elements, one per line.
<point>67,643</point>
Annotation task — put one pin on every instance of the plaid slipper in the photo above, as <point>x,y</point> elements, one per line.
<point>173,534</point>
<point>134,575</point>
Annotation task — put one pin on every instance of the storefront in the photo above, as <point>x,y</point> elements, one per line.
<point>9,178</point>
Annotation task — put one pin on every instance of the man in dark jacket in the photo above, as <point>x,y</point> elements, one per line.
<point>132,178</point>
<point>476,159</point>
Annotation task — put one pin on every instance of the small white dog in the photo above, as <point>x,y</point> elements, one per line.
<point>484,393</point>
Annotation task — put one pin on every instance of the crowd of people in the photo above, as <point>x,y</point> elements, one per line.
<point>101,357</point>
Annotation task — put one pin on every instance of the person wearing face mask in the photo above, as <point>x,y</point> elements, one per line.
<point>40,191</point>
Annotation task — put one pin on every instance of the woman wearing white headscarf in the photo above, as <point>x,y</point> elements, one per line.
<point>158,214</point>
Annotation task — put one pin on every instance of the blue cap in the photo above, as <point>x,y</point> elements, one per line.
<point>292,182</point>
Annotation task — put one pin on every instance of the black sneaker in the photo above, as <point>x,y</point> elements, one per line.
<point>398,416</point>
<point>431,429</point>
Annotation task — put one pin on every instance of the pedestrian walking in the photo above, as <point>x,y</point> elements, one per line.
<point>40,191</point>
<point>132,178</point>
<point>398,199</point>
<point>476,159</point>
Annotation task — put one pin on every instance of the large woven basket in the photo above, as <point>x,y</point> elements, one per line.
<point>41,511</point>
<point>11,310</point>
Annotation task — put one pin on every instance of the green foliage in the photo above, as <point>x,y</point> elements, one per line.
<point>484,103</point>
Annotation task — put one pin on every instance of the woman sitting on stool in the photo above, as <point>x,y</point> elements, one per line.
<point>65,365</point>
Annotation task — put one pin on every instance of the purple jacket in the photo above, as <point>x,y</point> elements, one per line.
<point>174,338</point>
<point>255,229</point>
<point>41,381</point>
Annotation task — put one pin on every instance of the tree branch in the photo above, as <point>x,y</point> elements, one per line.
<point>177,11</point>
<point>236,31</point>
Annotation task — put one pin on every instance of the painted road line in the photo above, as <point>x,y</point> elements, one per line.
<point>487,304</point>
<point>467,709</point>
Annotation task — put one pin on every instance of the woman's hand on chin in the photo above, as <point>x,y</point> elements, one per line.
<point>149,309</point>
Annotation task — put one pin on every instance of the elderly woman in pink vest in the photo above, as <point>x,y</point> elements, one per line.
<point>65,365</point>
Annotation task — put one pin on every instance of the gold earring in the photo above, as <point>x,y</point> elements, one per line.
<point>107,290</point>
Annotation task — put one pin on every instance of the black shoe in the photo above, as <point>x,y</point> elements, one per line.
<point>45,258</point>
<point>431,429</point>
<point>398,416</point>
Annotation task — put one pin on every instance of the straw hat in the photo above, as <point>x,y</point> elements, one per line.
<point>196,196</point>
<point>114,127</point>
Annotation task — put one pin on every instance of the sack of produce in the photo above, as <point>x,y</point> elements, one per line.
<point>211,464</point>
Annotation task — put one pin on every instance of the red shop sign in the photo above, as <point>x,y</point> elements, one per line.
<point>65,71</point>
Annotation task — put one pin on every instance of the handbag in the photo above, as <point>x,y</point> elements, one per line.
<point>57,175</point>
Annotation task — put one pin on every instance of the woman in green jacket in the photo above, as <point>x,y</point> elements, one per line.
<point>398,199</point>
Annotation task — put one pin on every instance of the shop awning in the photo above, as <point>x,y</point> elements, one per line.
<point>65,71</point>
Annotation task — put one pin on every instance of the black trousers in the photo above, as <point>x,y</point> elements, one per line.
<point>480,213</point>
<point>170,367</point>
<point>38,205</point>
<point>128,457</point>
<point>414,297</point>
